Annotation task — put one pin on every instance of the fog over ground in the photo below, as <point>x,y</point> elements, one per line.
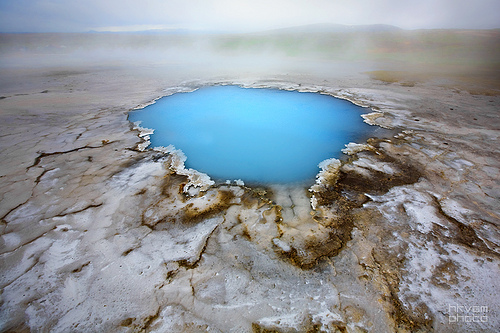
<point>277,36</point>
<point>100,234</point>
<point>423,55</point>
<point>243,15</point>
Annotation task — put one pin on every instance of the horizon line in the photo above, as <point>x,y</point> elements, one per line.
<point>184,30</point>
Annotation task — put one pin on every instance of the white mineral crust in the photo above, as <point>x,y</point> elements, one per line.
<point>100,234</point>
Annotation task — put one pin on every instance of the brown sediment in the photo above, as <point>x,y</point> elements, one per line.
<point>307,326</point>
<point>357,184</point>
<point>171,181</point>
<point>464,234</point>
<point>141,192</point>
<point>245,233</point>
<point>194,262</point>
<point>127,322</point>
<point>22,328</point>
<point>79,269</point>
<point>249,201</point>
<point>451,121</point>
<point>407,79</point>
<point>256,197</point>
<point>191,214</point>
<point>445,274</point>
<point>127,252</point>
<point>140,324</point>
<point>277,211</point>
<point>412,320</point>
<point>348,196</point>
<point>342,196</point>
<point>318,248</point>
<point>256,328</point>
<point>478,82</point>
<point>379,182</point>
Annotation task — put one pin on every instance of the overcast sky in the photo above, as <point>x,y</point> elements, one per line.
<point>241,15</point>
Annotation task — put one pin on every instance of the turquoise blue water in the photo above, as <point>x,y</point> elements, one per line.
<point>257,135</point>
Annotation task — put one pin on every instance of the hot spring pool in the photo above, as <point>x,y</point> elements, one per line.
<point>257,135</point>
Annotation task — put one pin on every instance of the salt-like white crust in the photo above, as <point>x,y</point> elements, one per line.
<point>197,180</point>
<point>353,148</point>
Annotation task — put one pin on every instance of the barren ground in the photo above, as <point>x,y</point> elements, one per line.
<point>99,235</point>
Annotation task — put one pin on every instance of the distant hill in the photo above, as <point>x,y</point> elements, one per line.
<point>335,28</point>
<point>147,32</point>
<point>312,28</point>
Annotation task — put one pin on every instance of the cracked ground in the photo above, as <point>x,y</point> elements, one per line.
<point>100,235</point>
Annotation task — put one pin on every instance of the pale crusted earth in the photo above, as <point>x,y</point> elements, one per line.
<point>99,236</point>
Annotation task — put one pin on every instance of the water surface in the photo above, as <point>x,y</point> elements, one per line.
<point>257,135</point>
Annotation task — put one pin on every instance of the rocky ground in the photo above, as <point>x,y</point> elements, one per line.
<point>403,234</point>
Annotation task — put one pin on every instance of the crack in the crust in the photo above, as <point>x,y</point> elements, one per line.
<point>148,321</point>
<point>36,259</point>
<point>21,274</point>
<point>38,178</point>
<point>79,268</point>
<point>466,235</point>
<point>199,317</point>
<point>44,154</point>
<point>193,264</point>
<point>137,238</point>
<point>292,205</point>
<point>39,298</point>
<point>29,241</point>
<point>401,317</point>
<point>79,211</point>
<point>193,292</point>
<point>57,215</point>
<point>37,181</point>
<point>13,209</point>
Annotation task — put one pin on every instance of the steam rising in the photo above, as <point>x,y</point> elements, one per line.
<point>241,15</point>
<point>303,50</point>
